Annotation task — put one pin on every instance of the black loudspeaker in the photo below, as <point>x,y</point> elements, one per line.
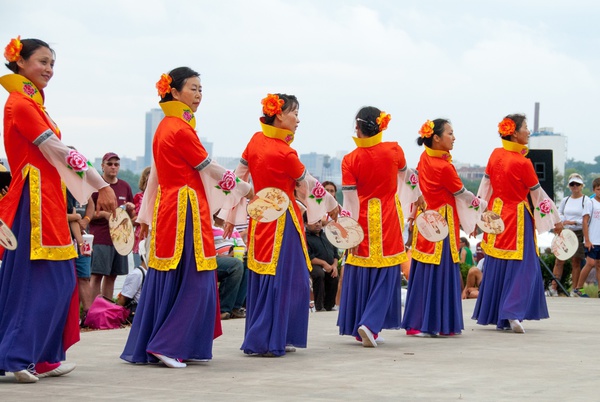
<point>544,167</point>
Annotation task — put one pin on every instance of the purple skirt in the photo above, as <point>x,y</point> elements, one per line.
<point>34,300</point>
<point>176,313</point>
<point>512,289</point>
<point>370,297</point>
<point>433,302</point>
<point>277,306</point>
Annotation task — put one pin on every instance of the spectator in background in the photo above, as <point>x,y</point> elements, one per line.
<point>77,224</point>
<point>474,277</point>
<point>137,201</point>
<point>466,259</point>
<point>331,188</point>
<point>4,190</point>
<point>106,262</point>
<point>591,234</point>
<point>466,255</point>
<point>571,211</point>
<point>324,259</point>
<point>134,281</point>
<point>232,272</point>
<point>479,254</point>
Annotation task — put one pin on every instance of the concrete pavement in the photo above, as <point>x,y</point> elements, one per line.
<point>555,360</point>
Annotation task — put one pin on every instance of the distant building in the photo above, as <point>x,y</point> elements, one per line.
<point>314,163</point>
<point>467,172</point>
<point>153,117</point>
<point>140,164</point>
<point>228,162</point>
<point>546,138</point>
<point>207,145</point>
<point>323,167</point>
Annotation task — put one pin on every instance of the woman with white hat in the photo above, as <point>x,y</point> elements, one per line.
<point>571,211</point>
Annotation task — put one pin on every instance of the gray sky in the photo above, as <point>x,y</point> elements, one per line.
<point>470,61</point>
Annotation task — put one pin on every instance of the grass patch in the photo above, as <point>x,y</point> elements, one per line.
<point>591,290</point>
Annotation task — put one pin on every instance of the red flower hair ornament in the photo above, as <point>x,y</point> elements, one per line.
<point>383,120</point>
<point>426,130</point>
<point>12,51</point>
<point>164,85</point>
<point>507,127</point>
<point>272,105</point>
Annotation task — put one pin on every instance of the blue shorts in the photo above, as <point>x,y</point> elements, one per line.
<point>83,263</point>
<point>594,253</point>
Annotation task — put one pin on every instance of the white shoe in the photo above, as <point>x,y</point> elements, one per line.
<point>290,349</point>
<point>380,340</point>
<point>64,368</point>
<point>368,340</point>
<point>24,377</point>
<point>335,308</point>
<point>169,361</point>
<point>516,326</point>
<point>552,292</point>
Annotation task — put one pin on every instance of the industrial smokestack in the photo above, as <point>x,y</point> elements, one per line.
<point>536,117</point>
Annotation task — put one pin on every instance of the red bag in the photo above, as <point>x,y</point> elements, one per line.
<point>105,314</point>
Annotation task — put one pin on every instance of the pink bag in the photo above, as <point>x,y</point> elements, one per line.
<point>105,314</point>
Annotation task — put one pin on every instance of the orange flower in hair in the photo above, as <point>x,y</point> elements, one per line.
<point>164,85</point>
<point>426,130</point>
<point>383,120</point>
<point>272,105</point>
<point>12,51</point>
<point>507,127</point>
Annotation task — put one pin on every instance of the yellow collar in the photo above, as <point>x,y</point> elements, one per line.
<point>181,110</point>
<point>273,132</point>
<point>436,153</point>
<point>368,142</point>
<point>18,83</point>
<point>515,147</point>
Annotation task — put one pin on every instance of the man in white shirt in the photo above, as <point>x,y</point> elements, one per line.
<point>591,235</point>
<point>232,273</point>
<point>132,287</point>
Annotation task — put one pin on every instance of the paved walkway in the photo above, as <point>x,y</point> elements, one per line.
<point>557,359</point>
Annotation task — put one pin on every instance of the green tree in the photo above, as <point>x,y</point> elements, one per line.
<point>132,178</point>
<point>472,185</point>
<point>559,183</point>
